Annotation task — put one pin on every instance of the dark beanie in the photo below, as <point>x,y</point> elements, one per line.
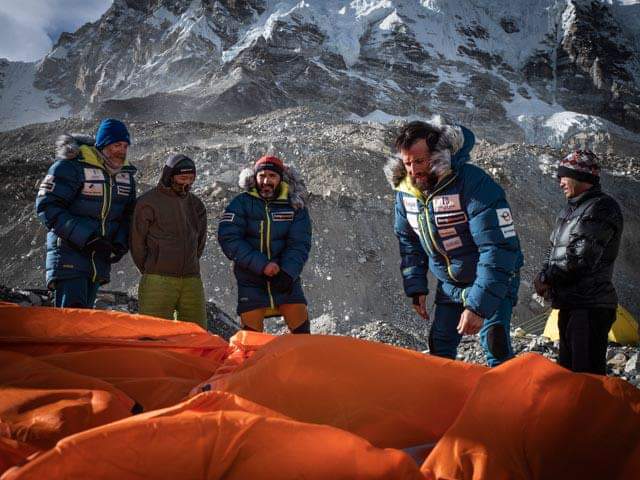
<point>111,131</point>
<point>176,165</point>
<point>581,165</point>
<point>269,162</point>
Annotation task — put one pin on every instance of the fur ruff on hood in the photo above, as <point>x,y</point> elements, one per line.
<point>297,189</point>
<point>68,145</point>
<point>450,143</point>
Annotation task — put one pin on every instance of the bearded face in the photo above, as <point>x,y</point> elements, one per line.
<point>116,153</point>
<point>181,184</point>
<point>418,164</point>
<point>267,183</point>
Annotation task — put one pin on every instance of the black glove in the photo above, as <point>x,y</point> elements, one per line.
<point>281,282</point>
<point>119,251</point>
<point>98,245</point>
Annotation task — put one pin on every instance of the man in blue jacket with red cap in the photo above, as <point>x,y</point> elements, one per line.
<point>266,232</point>
<point>453,219</point>
<point>86,201</point>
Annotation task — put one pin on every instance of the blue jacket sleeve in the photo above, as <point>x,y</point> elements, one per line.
<point>231,237</point>
<point>296,253</point>
<point>414,263</point>
<point>58,190</point>
<point>121,237</point>
<point>493,232</point>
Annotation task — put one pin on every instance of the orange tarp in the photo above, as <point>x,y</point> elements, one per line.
<point>532,419</point>
<point>212,438</point>
<point>38,331</point>
<point>390,396</point>
<point>295,406</point>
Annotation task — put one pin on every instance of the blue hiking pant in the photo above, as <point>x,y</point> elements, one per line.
<point>494,334</point>
<point>75,292</point>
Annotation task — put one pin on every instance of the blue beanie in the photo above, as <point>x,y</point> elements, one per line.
<point>111,131</point>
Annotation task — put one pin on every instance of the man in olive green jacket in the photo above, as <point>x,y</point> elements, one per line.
<point>168,235</point>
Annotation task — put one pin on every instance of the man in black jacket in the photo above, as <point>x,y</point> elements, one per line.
<point>578,271</point>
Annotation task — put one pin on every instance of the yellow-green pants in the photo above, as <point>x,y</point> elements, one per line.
<point>173,298</point>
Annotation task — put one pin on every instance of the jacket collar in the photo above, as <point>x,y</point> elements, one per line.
<point>584,196</point>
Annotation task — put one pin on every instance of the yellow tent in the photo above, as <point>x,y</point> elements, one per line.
<point>623,331</point>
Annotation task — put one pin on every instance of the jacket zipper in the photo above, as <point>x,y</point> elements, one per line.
<point>268,245</point>
<point>106,206</point>
<point>431,238</point>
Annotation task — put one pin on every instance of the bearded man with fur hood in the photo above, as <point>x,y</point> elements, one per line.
<point>452,218</point>
<point>266,232</point>
<point>86,201</point>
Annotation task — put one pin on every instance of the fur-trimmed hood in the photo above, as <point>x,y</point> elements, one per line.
<point>297,189</point>
<point>451,152</point>
<point>68,145</point>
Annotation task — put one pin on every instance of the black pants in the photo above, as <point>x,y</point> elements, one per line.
<point>583,338</point>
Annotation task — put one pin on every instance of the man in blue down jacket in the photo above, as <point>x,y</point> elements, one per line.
<point>86,201</point>
<point>453,219</point>
<point>266,231</point>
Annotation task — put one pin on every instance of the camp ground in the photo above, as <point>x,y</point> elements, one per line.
<point>106,395</point>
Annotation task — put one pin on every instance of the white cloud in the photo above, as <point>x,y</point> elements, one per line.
<point>29,28</point>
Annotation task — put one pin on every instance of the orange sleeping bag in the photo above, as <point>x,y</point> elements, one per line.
<point>390,396</point>
<point>531,419</point>
<point>43,331</point>
<point>215,436</point>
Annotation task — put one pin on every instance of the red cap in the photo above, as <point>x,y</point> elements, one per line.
<point>269,162</point>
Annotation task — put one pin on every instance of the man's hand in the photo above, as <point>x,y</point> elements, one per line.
<point>541,287</point>
<point>420,306</point>
<point>271,269</point>
<point>98,245</point>
<point>470,323</point>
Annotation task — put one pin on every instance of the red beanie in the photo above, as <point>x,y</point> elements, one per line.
<point>269,163</point>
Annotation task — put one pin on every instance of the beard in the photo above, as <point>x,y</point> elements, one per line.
<point>180,190</point>
<point>267,192</point>
<point>425,183</point>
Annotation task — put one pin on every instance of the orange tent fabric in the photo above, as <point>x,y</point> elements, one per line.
<point>13,453</point>
<point>41,403</point>
<point>532,419</point>
<point>390,396</point>
<point>154,378</point>
<point>44,331</point>
<point>295,406</point>
<point>215,436</point>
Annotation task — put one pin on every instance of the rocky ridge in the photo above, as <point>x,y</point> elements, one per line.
<point>352,278</point>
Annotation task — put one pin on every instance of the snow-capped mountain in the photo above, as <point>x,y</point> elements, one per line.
<point>537,71</point>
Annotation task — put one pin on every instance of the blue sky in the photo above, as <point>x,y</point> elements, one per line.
<point>29,28</point>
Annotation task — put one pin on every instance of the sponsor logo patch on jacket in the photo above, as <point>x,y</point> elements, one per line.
<point>91,174</point>
<point>449,219</point>
<point>446,203</point>
<point>410,204</point>
<point>47,185</point>
<point>447,232</point>
<point>505,221</point>
<point>227,217</point>
<point>452,243</point>
<point>504,216</point>
<point>92,189</point>
<point>285,216</point>
<point>123,178</point>
<point>123,190</point>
